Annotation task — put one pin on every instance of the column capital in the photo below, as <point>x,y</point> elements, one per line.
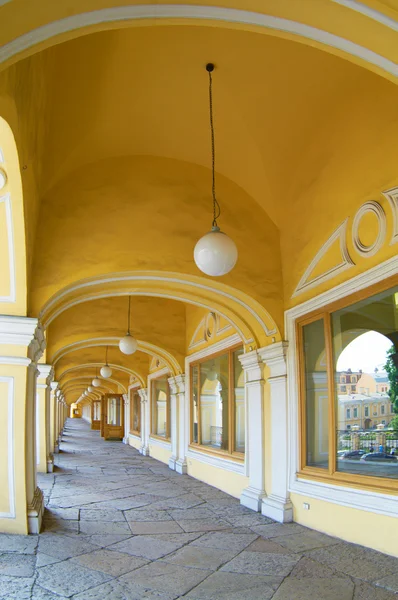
<point>54,385</point>
<point>252,365</point>
<point>274,356</point>
<point>46,372</point>
<point>177,384</point>
<point>143,393</point>
<point>23,331</point>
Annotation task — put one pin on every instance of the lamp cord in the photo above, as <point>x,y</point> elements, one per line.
<point>106,356</point>
<point>216,206</point>
<point>128,324</point>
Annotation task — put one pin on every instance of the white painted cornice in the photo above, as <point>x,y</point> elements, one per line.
<point>274,356</point>
<point>17,330</point>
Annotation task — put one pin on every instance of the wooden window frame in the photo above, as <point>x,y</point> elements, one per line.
<point>168,407</point>
<point>132,391</point>
<point>331,475</point>
<point>231,453</point>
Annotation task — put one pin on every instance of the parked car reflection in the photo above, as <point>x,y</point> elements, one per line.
<point>379,457</point>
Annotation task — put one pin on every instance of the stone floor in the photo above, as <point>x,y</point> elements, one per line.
<point>119,526</point>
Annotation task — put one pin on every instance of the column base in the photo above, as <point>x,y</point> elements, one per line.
<point>172,463</point>
<point>126,440</point>
<point>50,464</point>
<point>144,450</point>
<point>279,509</point>
<point>56,448</point>
<point>181,466</point>
<point>251,498</point>
<point>35,512</point>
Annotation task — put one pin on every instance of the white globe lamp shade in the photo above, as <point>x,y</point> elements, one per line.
<point>215,253</point>
<point>106,371</point>
<point>128,345</point>
<point>212,374</point>
<point>90,389</point>
<point>96,382</point>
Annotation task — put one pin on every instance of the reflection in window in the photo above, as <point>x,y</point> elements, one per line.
<point>135,411</point>
<point>96,410</point>
<point>114,411</point>
<point>362,333</point>
<point>218,403</point>
<point>160,407</point>
<point>316,395</point>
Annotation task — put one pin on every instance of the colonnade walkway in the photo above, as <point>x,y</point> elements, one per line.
<point>120,526</point>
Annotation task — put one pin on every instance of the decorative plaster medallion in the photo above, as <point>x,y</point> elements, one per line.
<point>376,209</point>
<point>209,328</point>
<point>156,364</point>
<point>392,197</point>
<point>305,282</point>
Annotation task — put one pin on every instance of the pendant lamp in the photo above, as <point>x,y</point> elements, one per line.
<point>90,389</point>
<point>96,381</point>
<point>106,371</point>
<point>215,253</point>
<point>128,345</point>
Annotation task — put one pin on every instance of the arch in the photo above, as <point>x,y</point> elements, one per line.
<point>252,321</point>
<point>86,379</point>
<point>172,364</point>
<point>130,372</point>
<point>139,15</point>
<point>13,285</point>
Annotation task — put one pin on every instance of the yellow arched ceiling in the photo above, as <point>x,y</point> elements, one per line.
<point>113,139</point>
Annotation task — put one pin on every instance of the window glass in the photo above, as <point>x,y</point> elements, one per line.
<point>160,406</point>
<point>239,398</point>
<point>214,409</point>
<point>363,336</point>
<point>135,411</point>
<point>114,411</point>
<point>316,395</point>
<point>218,403</point>
<point>195,403</point>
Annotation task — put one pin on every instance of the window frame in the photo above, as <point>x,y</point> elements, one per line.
<point>331,474</point>
<point>151,380</point>
<point>134,390</point>
<point>231,454</point>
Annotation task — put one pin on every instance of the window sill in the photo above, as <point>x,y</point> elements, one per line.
<point>372,498</point>
<point>135,434</point>
<point>228,462</point>
<point>160,441</point>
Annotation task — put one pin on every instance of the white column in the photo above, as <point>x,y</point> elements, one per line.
<point>145,425</point>
<point>254,397</point>
<point>45,456</point>
<point>173,424</point>
<point>34,495</point>
<point>277,504</point>
<point>181,463</point>
<point>53,415</point>
<point>126,398</point>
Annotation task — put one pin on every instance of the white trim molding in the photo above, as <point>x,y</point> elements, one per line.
<point>377,210</point>
<point>10,449</point>
<point>204,13</point>
<point>346,261</point>
<point>392,197</point>
<point>370,501</point>
<point>17,330</point>
<point>11,298</point>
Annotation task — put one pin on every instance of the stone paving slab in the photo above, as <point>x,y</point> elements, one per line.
<point>120,526</point>
<point>166,577</point>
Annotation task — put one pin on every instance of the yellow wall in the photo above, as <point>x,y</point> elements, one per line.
<point>358,526</point>
<point>159,453</point>
<point>135,442</point>
<point>231,483</point>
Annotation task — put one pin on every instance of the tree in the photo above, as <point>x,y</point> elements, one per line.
<point>392,372</point>
<point>394,422</point>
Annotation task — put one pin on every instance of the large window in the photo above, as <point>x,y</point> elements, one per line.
<point>135,412</point>
<point>160,407</point>
<point>218,404</point>
<point>359,334</point>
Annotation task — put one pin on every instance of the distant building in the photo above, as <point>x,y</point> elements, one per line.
<point>363,400</point>
<point>347,381</point>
